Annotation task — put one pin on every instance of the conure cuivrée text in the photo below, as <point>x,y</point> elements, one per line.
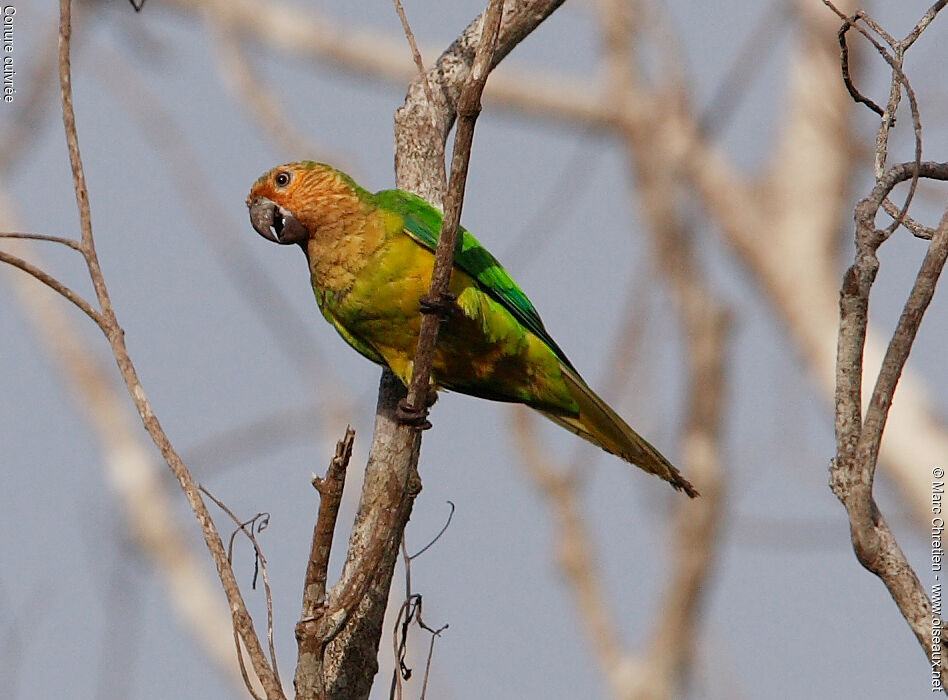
<point>370,260</point>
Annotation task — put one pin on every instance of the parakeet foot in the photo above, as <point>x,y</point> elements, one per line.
<point>411,416</point>
<point>444,307</point>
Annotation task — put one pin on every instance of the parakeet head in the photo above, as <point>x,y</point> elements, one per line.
<point>291,202</point>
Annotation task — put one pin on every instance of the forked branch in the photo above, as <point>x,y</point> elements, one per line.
<point>859,435</point>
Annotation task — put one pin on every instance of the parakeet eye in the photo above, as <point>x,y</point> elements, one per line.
<point>282,178</point>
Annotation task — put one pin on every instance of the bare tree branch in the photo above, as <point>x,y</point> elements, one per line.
<point>252,92</point>
<point>858,439</point>
<point>242,622</point>
<point>858,434</point>
<point>415,52</point>
<point>68,242</point>
<point>438,300</point>
<point>250,529</point>
<point>619,667</point>
<point>53,284</point>
<point>309,668</point>
<point>352,624</point>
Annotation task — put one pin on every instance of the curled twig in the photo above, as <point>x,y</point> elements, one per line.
<point>858,435</point>
<point>249,528</point>
<point>437,537</point>
<point>868,208</point>
<point>849,23</point>
<point>410,611</point>
<point>899,81</point>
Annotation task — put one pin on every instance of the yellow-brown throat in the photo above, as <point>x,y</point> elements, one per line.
<point>322,210</point>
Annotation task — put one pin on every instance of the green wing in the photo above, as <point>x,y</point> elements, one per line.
<point>423,224</point>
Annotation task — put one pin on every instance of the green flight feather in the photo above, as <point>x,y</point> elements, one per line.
<point>423,224</point>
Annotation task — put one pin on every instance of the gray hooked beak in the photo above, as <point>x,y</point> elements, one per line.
<point>275,223</point>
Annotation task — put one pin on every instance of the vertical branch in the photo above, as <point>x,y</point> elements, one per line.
<point>858,436</point>
<point>661,668</point>
<point>697,524</point>
<point>243,624</point>
<point>576,558</point>
<point>352,624</point>
<point>309,669</point>
<point>469,107</point>
<point>419,142</point>
<point>358,600</point>
<point>852,472</point>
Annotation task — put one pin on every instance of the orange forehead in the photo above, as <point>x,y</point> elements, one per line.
<point>306,178</point>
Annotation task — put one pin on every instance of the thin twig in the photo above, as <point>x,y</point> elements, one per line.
<point>899,80</point>
<point>42,237</point>
<point>416,55</point>
<point>408,612</point>
<point>411,609</point>
<point>918,229</point>
<point>923,23</point>
<point>849,23</point>
<point>54,284</point>
<point>444,528</point>
<point>243,667</point>
<point>248,532</point>
<point>469,107</point>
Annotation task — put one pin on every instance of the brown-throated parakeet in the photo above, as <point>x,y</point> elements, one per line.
<point>370,259</point>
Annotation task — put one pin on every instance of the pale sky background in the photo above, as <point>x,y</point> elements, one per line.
<point>789,612</point>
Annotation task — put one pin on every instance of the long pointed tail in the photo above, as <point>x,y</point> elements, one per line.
<point>602,426</point>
